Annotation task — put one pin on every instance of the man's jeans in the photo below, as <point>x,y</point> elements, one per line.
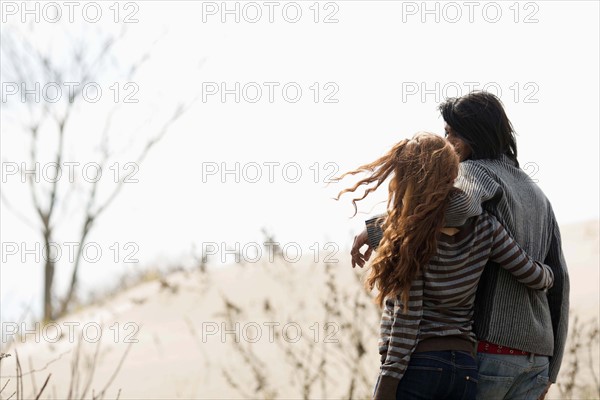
<point>439,375</point>
<point>511,377</point>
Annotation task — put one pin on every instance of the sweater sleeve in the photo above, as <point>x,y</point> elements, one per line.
<point>510,256</point>
<point>403,340</point>
<point>385,330</point>
<point>558,299</point>
<point>374,231</point>
<point>476,186</point>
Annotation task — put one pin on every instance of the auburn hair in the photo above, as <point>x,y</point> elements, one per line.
<point>422,170</point>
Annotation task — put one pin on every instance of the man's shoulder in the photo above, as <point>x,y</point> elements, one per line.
<point>506,174</point>
<point>488,166</point>
<point>482,170</point>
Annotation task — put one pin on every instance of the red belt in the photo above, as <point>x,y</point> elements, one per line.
<point>487,347</point>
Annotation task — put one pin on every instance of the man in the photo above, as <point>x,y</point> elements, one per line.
<point>521,332</point>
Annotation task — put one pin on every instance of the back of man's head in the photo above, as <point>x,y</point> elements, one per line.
<point>480,120</point>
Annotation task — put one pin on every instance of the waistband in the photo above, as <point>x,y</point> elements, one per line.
<point>444,343</point>
<point>487,347</point>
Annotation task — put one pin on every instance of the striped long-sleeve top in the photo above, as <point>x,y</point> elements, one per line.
<point>442,295</point>
<point>506,312</point>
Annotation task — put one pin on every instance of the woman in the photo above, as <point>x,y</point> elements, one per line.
<point>427,274</point>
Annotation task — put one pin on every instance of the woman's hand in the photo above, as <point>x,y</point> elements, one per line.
<point>543,395</point>
<point>386,389</point>
<point>359,241</point>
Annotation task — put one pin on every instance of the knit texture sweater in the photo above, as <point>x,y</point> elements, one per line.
<point>442,295</point>
<point>506,312</point>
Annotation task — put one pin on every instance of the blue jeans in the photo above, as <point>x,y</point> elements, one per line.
<point>439,375</point>
<point>511,377</point>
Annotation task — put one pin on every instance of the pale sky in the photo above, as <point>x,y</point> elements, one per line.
<point>379,73</point>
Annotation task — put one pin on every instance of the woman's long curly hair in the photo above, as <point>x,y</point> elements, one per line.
<point>423,171</point>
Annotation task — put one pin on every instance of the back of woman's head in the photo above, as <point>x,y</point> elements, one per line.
<point>423,170</point>
<point>479,119</point>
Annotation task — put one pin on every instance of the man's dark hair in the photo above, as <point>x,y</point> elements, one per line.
<point>479,119</point>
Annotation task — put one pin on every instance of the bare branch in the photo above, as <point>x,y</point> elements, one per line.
<point>39,369</point>
<point>26,62</point>
<point>43,387</point>
<point>116,371</point>
<point>33,385</point>
<point>4,387</point>
<point>92,370</point>
<point>19,377</point>
<point>17,212</point>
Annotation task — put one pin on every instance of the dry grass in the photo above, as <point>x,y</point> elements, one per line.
<point>580,366</point>
<point>338,368</point>
<point>83,367</point>
<point>332,366</point>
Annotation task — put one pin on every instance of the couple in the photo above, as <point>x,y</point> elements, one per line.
<point>469,265</point>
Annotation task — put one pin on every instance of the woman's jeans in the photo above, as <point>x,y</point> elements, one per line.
<point>455,375</point>
<point>439,375</point>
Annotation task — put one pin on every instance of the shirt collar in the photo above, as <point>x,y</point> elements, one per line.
<point>506,159</point>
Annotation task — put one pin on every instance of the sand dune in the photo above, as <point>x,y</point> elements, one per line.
<point>186,326</point>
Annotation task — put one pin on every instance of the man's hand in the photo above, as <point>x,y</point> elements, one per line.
<point>359,241</point>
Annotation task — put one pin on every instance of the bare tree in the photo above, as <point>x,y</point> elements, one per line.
<point>26,64</point>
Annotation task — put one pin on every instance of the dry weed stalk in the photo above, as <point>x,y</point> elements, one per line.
<point>581,336</point>
<point>345,309</point>
<point>18,394</point>
<point>257,367</point>
<point>77,389</point>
